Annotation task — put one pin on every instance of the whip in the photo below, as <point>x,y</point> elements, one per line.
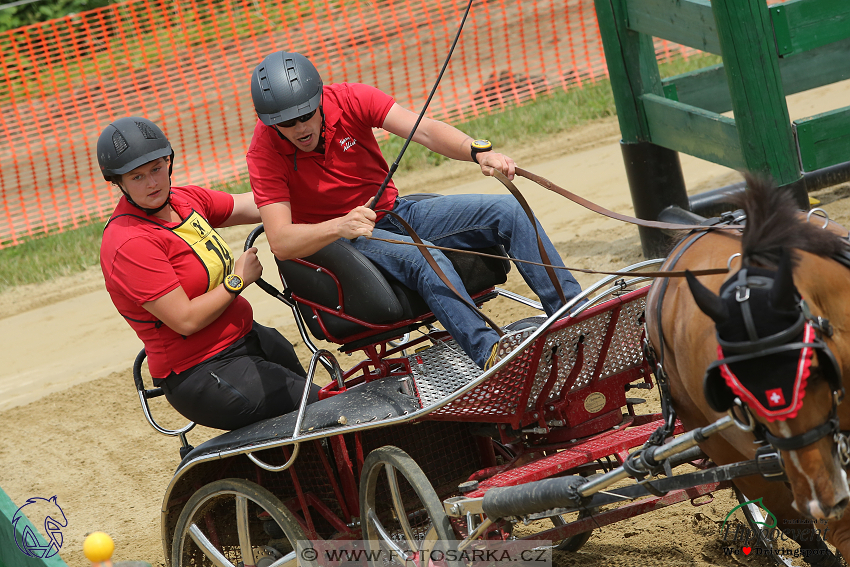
<point>394,166</point>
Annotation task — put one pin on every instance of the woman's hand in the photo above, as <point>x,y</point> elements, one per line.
<point>248,266</point>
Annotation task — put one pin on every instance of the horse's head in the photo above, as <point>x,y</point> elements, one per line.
<point>771,357</point>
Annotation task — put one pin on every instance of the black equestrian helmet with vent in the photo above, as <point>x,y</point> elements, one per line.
<point>285,86</point>
<point>128,143</point>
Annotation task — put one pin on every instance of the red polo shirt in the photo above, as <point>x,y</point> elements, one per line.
<point>318,186</point>
<point>142,260</point>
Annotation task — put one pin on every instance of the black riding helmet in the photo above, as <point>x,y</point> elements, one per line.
<point>128,143</point>
<point>285,86</point>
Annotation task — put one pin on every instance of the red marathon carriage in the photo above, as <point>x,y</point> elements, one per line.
<point>414,443</point>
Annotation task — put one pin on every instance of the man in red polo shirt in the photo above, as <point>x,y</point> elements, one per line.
<point>314,165</point>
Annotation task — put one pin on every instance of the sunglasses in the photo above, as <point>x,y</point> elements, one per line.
<point>292,122</point>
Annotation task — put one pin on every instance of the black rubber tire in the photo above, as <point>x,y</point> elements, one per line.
<point>437,526</point>
<point>217,493</point>
<point>575,542</point>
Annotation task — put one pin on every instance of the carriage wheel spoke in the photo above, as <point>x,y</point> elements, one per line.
<point>372,518</point>
<point>244,531</point>
<point>428,544</point>
<point>398,506</point>
<point>207,547</point>
<point>288,560</point>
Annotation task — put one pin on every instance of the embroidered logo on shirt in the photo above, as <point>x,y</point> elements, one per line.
<point>347,142</point>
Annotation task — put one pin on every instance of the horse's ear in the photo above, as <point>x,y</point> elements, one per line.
<point>782,295</point>
<point>708,302</point>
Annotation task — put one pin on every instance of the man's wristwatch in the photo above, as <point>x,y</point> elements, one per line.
<point>479,146</point>
<point>234,284</point>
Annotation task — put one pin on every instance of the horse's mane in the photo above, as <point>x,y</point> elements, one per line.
<point>774,222</point>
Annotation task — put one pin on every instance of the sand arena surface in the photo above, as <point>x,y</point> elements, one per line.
<point>70,422</point>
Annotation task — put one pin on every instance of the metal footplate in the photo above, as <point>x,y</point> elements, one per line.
<point>440,370</point>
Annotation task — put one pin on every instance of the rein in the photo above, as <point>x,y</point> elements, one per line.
<point>650,274</point>
<point>545,183</point>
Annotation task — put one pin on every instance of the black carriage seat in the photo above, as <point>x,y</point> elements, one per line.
<point>368,296</point>
<point>370,402</point>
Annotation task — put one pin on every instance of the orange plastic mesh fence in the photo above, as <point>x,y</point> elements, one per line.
<point>186,64</point>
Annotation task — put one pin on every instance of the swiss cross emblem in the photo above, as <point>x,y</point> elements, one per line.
<point>775,397</point>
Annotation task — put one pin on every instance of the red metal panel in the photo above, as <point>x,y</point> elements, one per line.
<point>585,452</point>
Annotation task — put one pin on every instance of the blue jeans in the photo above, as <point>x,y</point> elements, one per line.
<point>464,221</point>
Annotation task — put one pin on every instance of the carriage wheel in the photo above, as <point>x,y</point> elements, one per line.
<point>399,508</point>
<point>220,525</point>
<point>574,542</point>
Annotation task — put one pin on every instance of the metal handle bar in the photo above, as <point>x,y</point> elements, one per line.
<point>264,285</point>
<point>271,290</point>
<point>605,281</point>
<point>145,395</point>
<point>336,373</point>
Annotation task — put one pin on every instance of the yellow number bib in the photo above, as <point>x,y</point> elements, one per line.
<point>208,245</point>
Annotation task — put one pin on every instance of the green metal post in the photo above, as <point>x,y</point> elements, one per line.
<point>655,174</point>
<point>632,68</point>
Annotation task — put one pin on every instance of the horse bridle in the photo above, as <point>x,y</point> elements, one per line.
<point>752,349</point>
<point>784,341</point>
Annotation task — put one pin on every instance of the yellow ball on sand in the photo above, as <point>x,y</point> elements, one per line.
<point>98,547</point>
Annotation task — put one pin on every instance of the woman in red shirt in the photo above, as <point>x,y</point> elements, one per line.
<point>175,281</point>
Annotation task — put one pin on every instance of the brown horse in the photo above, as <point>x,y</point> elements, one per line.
<point>782,360</point>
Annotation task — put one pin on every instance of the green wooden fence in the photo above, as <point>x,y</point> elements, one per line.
<point>768,52</point>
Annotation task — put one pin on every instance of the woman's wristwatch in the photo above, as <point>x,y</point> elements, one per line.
<point>234,284</point>
<point>480,146</point>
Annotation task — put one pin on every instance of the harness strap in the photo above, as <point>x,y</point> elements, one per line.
<point>668,412</point>
<point>769,342</point>
<point>766,352</point>
<point>664,284</point>
<point>742,296</point>
<point>829,427</point>
<point>433,263</point>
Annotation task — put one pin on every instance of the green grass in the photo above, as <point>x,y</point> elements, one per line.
<point>545,116</point>
<point>516,125</point>
<point>44,258</point>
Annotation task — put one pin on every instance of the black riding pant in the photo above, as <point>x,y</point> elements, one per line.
<point>257,377</point>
